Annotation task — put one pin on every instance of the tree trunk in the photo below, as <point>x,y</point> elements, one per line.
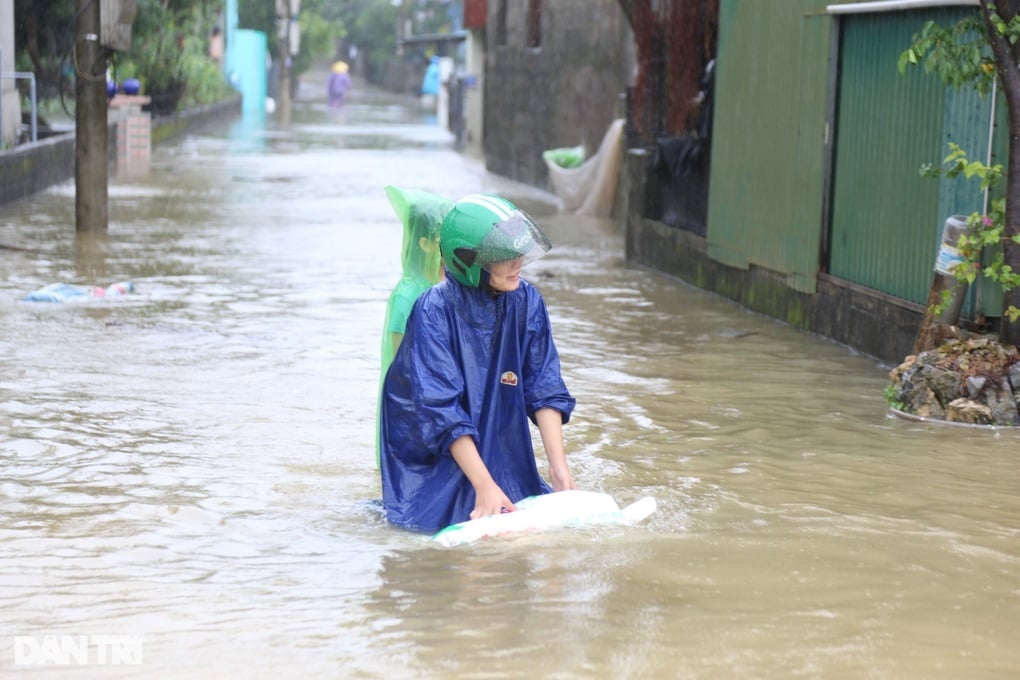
<point>1009,75</point>
<point>1009,332</point>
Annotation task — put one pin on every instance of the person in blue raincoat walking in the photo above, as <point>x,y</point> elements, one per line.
<point>476,367</point>
<point>430,84</point>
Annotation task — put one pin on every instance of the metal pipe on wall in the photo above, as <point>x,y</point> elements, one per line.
<point>32,96</point>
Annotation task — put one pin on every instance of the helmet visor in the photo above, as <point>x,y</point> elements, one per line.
<point>516,237</point>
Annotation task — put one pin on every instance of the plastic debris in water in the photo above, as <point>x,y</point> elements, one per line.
<point>61,292</point>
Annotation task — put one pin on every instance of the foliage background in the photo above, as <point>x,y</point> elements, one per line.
<point>170,38</point>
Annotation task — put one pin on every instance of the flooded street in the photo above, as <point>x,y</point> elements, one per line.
<point>193,464</point>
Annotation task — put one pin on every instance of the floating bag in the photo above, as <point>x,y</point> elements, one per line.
<point>572,508</point>
<point>588,188</point>
<point>565,157</point>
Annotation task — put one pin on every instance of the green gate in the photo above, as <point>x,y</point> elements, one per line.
<point>886,219</point>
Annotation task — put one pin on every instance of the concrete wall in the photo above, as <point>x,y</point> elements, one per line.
<point>29,168</point>
<point>564,92</point>
<point>870,322</point>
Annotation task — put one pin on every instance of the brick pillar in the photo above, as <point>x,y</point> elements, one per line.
<point>134,132</point>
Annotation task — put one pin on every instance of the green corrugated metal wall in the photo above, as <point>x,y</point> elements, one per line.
<point>765,201</point>
<point>768,146</point>
<point>886,218</point>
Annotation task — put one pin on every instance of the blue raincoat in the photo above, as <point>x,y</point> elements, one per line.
<point>471,363</point>
<point>430,82</point>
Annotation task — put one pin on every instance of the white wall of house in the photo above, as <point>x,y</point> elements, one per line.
<point>10,108</point>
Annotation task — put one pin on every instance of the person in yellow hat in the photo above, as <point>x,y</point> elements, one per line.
<point>338,85</point>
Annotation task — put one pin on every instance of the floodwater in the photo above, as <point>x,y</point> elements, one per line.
<point>192,466</point>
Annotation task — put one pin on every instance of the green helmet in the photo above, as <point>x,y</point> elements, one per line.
<point>483,229</point>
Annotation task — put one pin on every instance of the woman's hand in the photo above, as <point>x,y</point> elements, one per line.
<point>489,497</point>
<point>561,478</point>
<point>491,501</point>
<point>550,426</point>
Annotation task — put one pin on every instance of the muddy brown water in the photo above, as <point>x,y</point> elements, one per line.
<point>193,464</point>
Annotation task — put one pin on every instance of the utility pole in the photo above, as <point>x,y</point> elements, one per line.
<point>285,68</point>
<point>90,143</point>
<point>284,18</point>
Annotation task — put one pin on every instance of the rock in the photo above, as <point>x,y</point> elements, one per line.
<point>967,411</point>
<point>896,374</point>
<point>966,379</point>
<point>1014,382</point>
<point>975,384</point>
<point>918,396</point>
<point>946,383</point>
<point>1002,403</point>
